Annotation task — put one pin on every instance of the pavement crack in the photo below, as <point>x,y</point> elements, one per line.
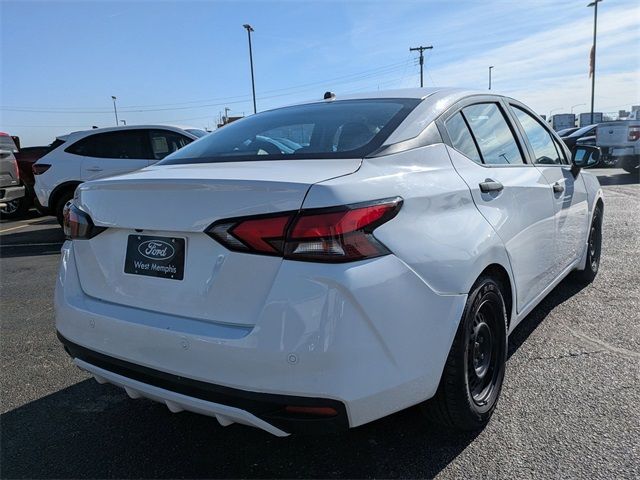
<point>569,355</point>
<point>596,342</point>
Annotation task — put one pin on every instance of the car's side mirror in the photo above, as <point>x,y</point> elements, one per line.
<point>584,156</point>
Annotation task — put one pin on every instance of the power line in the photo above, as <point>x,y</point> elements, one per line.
<point>350,78</point>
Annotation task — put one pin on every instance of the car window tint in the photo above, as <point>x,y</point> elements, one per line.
<point>541,141</point>
<point>164,142</point>
<point>461,138</point>
<point>126,144</point>
<point>493,135</point>
<point>287,138</point>
<point>338,129</point>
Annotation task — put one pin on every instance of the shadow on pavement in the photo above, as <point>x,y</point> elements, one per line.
<point>46,240</point>
<point>30,215</point>
<point>95,431</point>
<point>565,290</point>
<point>622,178</point>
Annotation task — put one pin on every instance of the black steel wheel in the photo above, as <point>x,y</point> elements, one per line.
<point>594,249</point>
<point>472,378</point>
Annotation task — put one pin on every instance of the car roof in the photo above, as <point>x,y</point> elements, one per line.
<point>81,133</point>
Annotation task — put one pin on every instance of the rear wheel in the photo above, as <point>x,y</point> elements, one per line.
<point>473,374</point>
<point>62,201</point>
<point>15,208</point>
<point>594,249</point>
<point>630,164</point>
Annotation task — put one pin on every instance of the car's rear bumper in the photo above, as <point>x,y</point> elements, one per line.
<point>228,405</point>
<point>624,151</point>
<point>369,338</point>
<point>8,194</point>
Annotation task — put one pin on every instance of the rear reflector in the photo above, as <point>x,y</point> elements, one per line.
<point>318,411</point>
<point>39,168</point>
<point>336,234</point>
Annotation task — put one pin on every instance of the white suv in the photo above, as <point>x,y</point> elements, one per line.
<point>103,152</point>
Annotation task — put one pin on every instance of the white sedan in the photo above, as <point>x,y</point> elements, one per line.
<point>323,265</point>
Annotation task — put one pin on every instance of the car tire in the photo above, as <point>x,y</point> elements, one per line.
<point>62,201</point>
<point>15,209</point>
<point>630,164</point>
<point>594,250</point>
<point>474,371</point>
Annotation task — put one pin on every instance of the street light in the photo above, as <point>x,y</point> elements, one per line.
<point>115,110</point>
<point>253,85</point>
<point>553,110</point>
<point>576,105</point>
<point>592,70</point>
<point>490,68</point>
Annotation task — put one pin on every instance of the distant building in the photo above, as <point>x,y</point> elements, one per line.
<point>228,119</point>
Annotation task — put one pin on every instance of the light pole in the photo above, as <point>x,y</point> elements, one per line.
<point>592,70</point>
<point>253,85</point>
<point>421,49</point>
<point>553,110</point>
<point>490,68</point>
<point>577,105</point>
<point>115,110</point>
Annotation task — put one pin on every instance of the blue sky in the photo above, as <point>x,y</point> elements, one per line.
<point>183,62</point>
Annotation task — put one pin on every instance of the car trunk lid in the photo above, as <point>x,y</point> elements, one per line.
<point>175,205</point>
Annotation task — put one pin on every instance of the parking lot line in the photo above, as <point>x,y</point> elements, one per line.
<point>14,228</point>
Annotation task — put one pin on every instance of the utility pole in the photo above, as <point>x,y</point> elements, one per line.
<point>253,85</point>
<point>490,68</point>
<point>115,110</point>
<point>421,49</point>
<point>592,71</point>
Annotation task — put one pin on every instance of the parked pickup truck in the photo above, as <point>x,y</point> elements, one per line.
<point>621,140</point>
<point>10,187</point>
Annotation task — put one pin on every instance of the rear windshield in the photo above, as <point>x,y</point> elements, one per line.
<point>7,143</point>
<point>335,129</point>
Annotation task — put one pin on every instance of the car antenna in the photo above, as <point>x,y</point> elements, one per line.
<point>329,96</point>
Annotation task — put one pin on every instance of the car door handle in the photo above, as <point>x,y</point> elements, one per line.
<point>490,186</point>
<point>94,169</point>
<point>558,187</point>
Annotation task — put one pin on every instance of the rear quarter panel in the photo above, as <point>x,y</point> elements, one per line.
<point>438,233</point>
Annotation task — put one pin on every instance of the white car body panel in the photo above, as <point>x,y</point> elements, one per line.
<point>372,334</point>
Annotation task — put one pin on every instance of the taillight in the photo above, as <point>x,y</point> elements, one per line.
<point>77,224</point>
<point>16,169</point>
<point>634,133</point>
<point>39,168</point>
<point>337,234</point>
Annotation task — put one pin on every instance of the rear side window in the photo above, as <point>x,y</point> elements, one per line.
<point>125,144</point>
<point>541,141</point>
<point>461,138</point>
<point>493,135</point>
<point>164,142</point>
<point>336,129</point>
<point>7,143</point>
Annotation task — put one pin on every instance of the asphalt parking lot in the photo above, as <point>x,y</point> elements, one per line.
<point>569,407</point>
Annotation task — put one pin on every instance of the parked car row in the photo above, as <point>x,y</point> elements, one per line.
<point>619,142</point>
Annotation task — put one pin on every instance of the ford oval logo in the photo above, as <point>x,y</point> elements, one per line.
<point>156,250</point>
